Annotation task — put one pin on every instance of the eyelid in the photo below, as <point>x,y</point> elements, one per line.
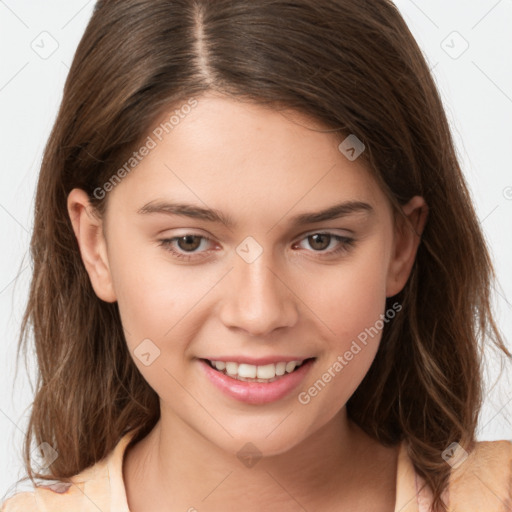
<point>179,232</point>
<point>347,233</point>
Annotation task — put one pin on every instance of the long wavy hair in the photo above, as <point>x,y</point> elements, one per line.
<point>354,66</point>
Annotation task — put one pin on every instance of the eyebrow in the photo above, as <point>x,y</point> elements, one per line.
<point>211,215</point>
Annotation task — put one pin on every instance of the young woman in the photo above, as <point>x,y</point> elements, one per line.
<point>259,280</point>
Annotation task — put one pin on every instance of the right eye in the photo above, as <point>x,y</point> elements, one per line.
<point>184,246</point>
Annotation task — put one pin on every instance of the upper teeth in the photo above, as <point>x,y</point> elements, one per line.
<point>250,371</point>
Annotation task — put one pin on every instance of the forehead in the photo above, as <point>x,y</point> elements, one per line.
<point>244,158</point>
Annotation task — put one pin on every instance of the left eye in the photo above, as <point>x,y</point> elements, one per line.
<point>321,241</point>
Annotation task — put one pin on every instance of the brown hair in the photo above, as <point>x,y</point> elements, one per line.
<point>354,66</point>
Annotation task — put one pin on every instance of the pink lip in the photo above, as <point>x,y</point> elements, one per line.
<point>256,361</point>
<point>256,392</point>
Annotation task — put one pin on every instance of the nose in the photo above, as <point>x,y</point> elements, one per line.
<point>257,298</point>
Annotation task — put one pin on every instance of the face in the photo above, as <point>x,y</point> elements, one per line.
<point>249,271</point>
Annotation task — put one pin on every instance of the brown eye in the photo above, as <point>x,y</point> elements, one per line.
<point>189,242</point>
<point>319,241</point>
<point>325,244</point>
<point>187,247</point>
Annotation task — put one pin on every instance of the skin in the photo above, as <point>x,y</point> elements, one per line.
<point>261,168</point>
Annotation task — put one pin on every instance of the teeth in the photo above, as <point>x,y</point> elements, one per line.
<point>291,366</point>
<point>248,371</point>
<point>280,368</point>
<point>267,371</point>
<point>231,368</point>
<point>251,372</point>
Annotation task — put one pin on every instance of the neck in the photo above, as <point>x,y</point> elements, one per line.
<point>178,467</point>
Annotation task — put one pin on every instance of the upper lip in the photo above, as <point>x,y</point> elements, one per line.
<point>257,361</point>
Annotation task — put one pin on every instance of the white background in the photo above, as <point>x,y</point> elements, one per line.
<point>476,88</point>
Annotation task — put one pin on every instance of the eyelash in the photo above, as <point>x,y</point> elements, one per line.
<point>345,244</point>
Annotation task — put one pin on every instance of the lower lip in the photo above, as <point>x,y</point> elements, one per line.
<point>257,392</point>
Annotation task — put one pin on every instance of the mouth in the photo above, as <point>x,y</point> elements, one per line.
<point>245,383</point>
<point>266,373</point>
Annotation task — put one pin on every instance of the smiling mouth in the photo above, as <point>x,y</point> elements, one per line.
<point>250,373</point>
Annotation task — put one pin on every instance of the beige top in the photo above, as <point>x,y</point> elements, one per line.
<point>483,482</point>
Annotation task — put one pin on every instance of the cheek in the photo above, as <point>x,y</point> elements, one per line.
<point>350,302</point>
<point>159,299</point>
<point>151,297</point>
<point>158,307</point>
<point>350,296</point>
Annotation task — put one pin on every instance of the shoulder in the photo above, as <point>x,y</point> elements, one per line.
<point>42,498</point>
<point>62,496</point>
<point>99,487</point>
<point>24,501</point>
<point>482,479</point>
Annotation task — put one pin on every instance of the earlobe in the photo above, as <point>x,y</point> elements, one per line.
<point>408,231</point>
<point>88,229</point>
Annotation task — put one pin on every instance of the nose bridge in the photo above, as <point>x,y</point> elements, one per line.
<point>258,301</point>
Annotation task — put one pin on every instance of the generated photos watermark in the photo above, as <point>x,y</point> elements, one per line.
<point>455,455</point>
<point>337,366</point>
<point>352,147</point>
<point>157,135</point>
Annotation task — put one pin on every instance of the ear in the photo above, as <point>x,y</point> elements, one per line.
<point>407,236</point>
<point>88,228</point>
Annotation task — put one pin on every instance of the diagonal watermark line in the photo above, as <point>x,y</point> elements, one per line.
<point>24,434</point>
<point>424,13</point>
<point>75,485</point>
<point>300,199</point>
<point>198,402</point>
<point>301,300</point>
<point>5,5</point>
<point>198,301</point>
<point>414,499</point>
<point>486,14</point>
<point>489,214</point>
<point>507,503</point>
<point>126,331</point>
<point>13,279</point>
<point>492,81</point>
<point>280,423</point>
<point>492,419</point>
<point>88,497</point>
<point>75,15</point>
<point>434,67</point>
<point>227,227</point>
<point>13,422</point>
<point>14,76</point>
<point>218,485</point>
<point>505,417</point>
<point>14,218</point>
<point>285,490</point>
<point>503,297</point>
